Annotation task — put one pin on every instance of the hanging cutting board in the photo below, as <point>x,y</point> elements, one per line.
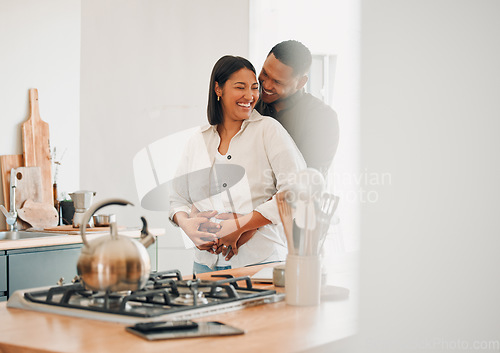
<point>36,146</point>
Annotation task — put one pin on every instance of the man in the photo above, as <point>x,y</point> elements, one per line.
<point>312,124</point>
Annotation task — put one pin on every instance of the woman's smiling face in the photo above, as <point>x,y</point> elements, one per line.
<point>238,95</point>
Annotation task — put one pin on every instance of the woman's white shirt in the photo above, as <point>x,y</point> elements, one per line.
<point>260,158</point>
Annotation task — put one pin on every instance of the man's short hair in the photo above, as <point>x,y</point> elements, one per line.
<point>294,54</point>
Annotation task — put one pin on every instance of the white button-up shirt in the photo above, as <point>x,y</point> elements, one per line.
<point>260,158</point>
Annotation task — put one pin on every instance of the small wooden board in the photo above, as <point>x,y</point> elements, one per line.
<point>29,185</point>
<point>39,214</point>
<point>68,229</point>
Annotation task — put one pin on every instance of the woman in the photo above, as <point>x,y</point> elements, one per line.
<point>234,166</point>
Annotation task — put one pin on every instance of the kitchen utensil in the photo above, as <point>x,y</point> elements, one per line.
<point>329,203</point>
<point>286,218</point>
<point>310,243</point>
<point>304,191</point>
<point>304,225</point>
<point>36,146</point>
<point>297,236</point>
<point>103,220</point>
<point>81,200</point>
<point>117,262</point>
<point>40,215</point>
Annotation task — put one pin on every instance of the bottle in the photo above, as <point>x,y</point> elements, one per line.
<point>56,203</point>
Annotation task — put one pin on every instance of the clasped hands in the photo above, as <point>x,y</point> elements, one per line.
<point>224,237</point>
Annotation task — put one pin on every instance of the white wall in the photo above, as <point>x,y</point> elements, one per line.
<point>144,75</point>
<point>430,264</point>
<point>40,48</point>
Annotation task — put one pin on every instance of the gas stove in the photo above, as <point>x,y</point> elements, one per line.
<point>166,296</point>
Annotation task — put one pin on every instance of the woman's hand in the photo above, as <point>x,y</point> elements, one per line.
<point>207,226</point>
<point>202,240</point>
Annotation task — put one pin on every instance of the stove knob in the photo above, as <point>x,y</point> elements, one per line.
<point>75,279</point>
<point>60,282</point>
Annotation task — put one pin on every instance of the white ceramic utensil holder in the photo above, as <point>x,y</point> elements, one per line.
<point>303,280</point>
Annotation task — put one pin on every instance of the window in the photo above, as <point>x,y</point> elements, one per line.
<point>321,77</point>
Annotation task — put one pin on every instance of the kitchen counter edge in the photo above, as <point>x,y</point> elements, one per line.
<point>65,239</point>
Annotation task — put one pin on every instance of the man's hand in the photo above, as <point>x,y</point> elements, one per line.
<point>230,232</point>
<point>246,236</point>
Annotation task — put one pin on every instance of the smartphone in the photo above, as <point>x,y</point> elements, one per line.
<point>182,329</point>
<point>164,326</point>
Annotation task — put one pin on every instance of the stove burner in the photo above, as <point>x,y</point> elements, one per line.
<point>188,299</point>
<point>108,301</point>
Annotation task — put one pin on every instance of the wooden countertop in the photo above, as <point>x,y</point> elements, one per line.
<point>65,239</point>
<point>276,327</point>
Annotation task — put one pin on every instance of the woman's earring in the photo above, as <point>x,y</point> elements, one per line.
<point>218,98</point>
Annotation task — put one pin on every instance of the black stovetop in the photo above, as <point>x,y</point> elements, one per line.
<point>164,293</point>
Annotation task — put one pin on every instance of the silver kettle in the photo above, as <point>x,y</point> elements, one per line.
<point>114,263</point>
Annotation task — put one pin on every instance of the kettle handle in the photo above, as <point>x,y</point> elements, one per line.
<point>90,212</point>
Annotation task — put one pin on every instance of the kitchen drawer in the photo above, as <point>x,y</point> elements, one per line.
<point>3,299</point>
<point>38,267</point>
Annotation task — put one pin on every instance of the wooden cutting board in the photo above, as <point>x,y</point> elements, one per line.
<point>36,146</point>
<point>39,214</point>
<point>68,229</point>
<point>29,185</point>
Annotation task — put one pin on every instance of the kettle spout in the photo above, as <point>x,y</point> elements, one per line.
<point>146,237</point>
